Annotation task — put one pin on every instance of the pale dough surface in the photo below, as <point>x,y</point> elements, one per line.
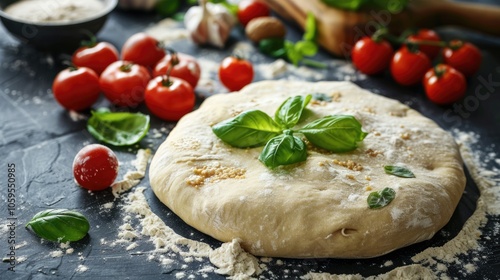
<point>317,208</point>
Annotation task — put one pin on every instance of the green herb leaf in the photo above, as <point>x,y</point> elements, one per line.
<point>249,129</point>
<point>283,150</point>
<point>399,171</point>
<point>274,47</point>
<point>290,111</point>
<point>167,7</point>
<point>381,198</point>
<point>119,129</point>
<point>321,97</point>
<point>306,48</point>
<point>59,225</point>
<point>293,55</point>
<point>337,133</point>
<point>310,29</point>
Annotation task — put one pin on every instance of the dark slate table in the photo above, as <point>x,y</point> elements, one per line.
<point>40,138</point>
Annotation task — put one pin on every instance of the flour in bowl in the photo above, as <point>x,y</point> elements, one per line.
<point>54,11</point>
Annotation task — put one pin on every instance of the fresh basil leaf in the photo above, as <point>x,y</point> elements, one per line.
<point>249,129</point>
<point>337,133</point>
<point>59,225</point>
<point>290,111</point>
<point>306,48</point>
<point>167,7</point>
<point>274,47</point>
<point>292,54</point>
<point>393,6</point>
<point>321,97</point>
<point>310,29</point>
<point>283,150</point>
<point>399,171</point>
<point>118,129</point>
<point>351,5</point>
<point>381,198</point>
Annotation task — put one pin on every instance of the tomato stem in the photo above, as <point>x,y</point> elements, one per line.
<point>441,44</point>
<point>456,44</point>
<point>126,67</point>
<point>91,42</point>
<point>439,70</point>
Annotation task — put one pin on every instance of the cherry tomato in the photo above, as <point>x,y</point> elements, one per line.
<point>250,9</point>
<point>185,68</point>
<point>463,56</point>
<point>426,35</point>
<point>408,68</point>
<point>76,88</point>
<point>444,85</point>
<point>95,167</point>
<point>142,49</point>
<point>96,57</point>
<point>371,57</point>
<point>123,83</point>
<point>235,73</point>
<point>169,99</point>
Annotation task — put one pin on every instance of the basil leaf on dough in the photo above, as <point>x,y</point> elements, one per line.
<point>59,225</point>
<point>381,198</point>
<point>118,129</point>
<point>249,129</point>
<point>290,111</point>
<point>399,171</point>
<point>321,97</point>
<point>283,150</point>
<point>336,133</point>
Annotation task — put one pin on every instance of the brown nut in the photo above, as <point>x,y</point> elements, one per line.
<point>264,28</point>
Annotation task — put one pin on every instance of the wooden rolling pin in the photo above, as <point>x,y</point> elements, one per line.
<point>339,29</point>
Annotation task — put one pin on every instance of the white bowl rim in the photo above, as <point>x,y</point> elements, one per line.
<point>110,6</point>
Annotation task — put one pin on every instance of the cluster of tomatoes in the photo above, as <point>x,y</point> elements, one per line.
<point>444,83</point>
<point>163,79</point>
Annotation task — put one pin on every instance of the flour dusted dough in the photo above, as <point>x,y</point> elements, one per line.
<point>317,208</point>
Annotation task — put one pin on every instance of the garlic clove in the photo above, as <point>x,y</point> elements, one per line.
<point>209,24</point>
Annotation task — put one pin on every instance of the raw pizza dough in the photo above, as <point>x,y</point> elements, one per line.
<point>317,208</point>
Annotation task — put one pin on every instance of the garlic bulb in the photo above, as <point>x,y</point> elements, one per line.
<point>209,23</point>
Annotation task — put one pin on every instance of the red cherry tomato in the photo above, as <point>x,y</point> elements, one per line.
<point>371,57</point>
<point>408,68</point>
<point>250,9</point>
<point>96,57</point>
<point>123,83</point>
<point>76,88</point>
<point>95,167</point>
<point>465,57</point>
<point>235,73</point>
<point>444,85</point>
<point>426,35</point>
<point>169,99</point>
<point>186,68</point>
<point>142,49</point>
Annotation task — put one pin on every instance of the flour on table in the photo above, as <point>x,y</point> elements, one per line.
<point>133,178</point>
<point>231,259</point>
<point>168,31</point>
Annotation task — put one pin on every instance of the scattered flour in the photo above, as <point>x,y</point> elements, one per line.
<point>133,178</point>
<point>168,31</point>
<point>232,260</point>
<point>56,254</point>
<point>81,268</point>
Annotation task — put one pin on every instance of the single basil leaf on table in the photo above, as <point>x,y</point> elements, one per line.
<point>336,133</point>
<point>249,129</point>
<point>381,198</point>
<point>118,129</point>
<point>310,28</point>
<point>292,54</point>
<point>290,111</point>
<point>274,47</point>
<point>399,171</point>
<point>59,225</point>
<point>283,150</point>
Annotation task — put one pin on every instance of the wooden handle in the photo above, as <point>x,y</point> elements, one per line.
<point>478,17</point>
